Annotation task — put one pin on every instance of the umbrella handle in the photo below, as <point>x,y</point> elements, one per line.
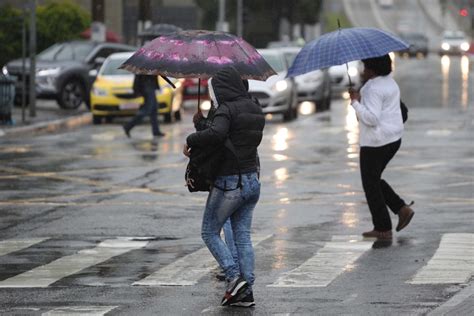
<point>348,76</point>
<point>199,95</point>
<point>168,81</point>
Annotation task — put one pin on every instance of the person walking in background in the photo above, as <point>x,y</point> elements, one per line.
<point>146,86</point>
<point>377,107</point>
<point>236,189</point>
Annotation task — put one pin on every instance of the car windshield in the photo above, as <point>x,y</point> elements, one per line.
<point>110,68</point>
<point>274,61</point>
<point>67,51</point>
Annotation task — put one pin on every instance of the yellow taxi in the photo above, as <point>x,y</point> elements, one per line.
<point>112,94</point>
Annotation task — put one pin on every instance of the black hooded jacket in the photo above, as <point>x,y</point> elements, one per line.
<point>237,117</point>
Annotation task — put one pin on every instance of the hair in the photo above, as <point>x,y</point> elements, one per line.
<point>381,66</point>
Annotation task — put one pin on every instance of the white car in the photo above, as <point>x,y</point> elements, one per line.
<point>314,86</point>
<point>277,94</point>
<point>340,76</point>
<point>454,42</point>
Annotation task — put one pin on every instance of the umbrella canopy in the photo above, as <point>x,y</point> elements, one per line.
<point>198,54</point>
<point>342,46</point>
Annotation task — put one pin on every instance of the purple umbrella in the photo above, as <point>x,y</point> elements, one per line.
<point>198,54</point>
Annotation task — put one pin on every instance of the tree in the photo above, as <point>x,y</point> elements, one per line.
<point>57,21</point>
<point>60,21</point>
<point>11,20</point>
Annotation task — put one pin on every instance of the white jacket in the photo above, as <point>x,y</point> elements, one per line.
<point>379,114</point>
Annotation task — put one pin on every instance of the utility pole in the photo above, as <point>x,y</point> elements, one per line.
<point>32,83</point>
<point>240,7</point>
<point>222,25</point>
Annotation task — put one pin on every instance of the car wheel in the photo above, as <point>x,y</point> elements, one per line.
<point>109,119</point>
<point>96,120</point>
<point>168,118</point>
<point>72,94</point>
<point>177,115</point>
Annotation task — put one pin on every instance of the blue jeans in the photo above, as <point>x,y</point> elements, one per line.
<point>149,108</point>
<point>238,204</point>
<point>229,240</point>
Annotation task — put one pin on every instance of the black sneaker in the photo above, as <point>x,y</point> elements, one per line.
<point>244,300</point>
<point>234,288</point>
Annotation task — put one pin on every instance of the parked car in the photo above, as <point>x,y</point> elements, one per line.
<point>112,93</point>
<point>314,86</point>
<point>62,70</point>
<point>418,45</point>
<point>454,42</point>
<point>339,76</point>
<point>277,94</point>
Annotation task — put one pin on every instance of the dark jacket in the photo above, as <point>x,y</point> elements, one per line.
<point>143,82</point>
<point>236,117</point>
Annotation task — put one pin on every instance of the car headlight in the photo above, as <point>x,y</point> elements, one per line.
<point>99,92</point>
<point>48,72</point>
<point>465,46</point>
<point>281,86</point>
<point>445,46</point>
<point>5,70</point>
<point>352,71</point>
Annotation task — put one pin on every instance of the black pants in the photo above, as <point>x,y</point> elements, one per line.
<point>378,192</point>
<point>149,108</point>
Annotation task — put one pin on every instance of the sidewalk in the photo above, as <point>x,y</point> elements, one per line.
<point>49,118</point>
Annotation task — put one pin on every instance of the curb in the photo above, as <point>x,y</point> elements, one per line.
<point>48,126</point>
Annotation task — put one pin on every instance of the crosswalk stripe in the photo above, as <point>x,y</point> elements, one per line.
<point>12,245</point>
<point>453,261</point>
<point>47,274</point>
<point>329,262</point>
<point>80,310</point>
<point>188,269</point>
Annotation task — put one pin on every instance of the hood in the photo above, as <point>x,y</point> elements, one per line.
<point>270,82</point>
<point>228,86</point>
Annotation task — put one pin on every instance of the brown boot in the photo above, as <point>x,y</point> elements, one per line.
<point>404,216</point>
<point>378,234</point>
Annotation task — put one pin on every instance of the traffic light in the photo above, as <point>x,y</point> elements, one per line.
<point>463,12</point>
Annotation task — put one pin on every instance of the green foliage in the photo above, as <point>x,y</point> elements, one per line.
<point>10,33</point>
<point>56,21</point>
<point>59,21</point>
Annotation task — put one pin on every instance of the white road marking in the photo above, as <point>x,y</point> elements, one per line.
<point>329,262</point>
<point>188,269</point>
<point>12,245</point>
<point>47,274</point>
<point>80,310</point>
<point>453,262</point>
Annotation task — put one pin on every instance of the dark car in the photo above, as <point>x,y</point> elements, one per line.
<point>418,45</point>
<point>62,70</point>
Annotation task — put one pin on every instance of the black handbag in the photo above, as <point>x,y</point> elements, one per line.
<point>201,168</point>
<point>203,165</point>
<point>404,110</point>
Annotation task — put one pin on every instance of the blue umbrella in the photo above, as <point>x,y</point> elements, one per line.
<point>342,46</point>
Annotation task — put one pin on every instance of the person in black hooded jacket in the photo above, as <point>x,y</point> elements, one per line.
<point>236,188</point>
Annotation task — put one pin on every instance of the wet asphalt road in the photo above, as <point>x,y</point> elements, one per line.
<point>77,189</point>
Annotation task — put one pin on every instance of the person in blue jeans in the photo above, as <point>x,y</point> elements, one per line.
<point>201,123</point>
<point>236,189</point>
<point>146,86</point>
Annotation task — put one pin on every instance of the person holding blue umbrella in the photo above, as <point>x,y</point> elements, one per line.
<point>377,106</point>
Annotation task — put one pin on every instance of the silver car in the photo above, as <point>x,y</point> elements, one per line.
<point>314,86</point>
<point>277,94</point>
